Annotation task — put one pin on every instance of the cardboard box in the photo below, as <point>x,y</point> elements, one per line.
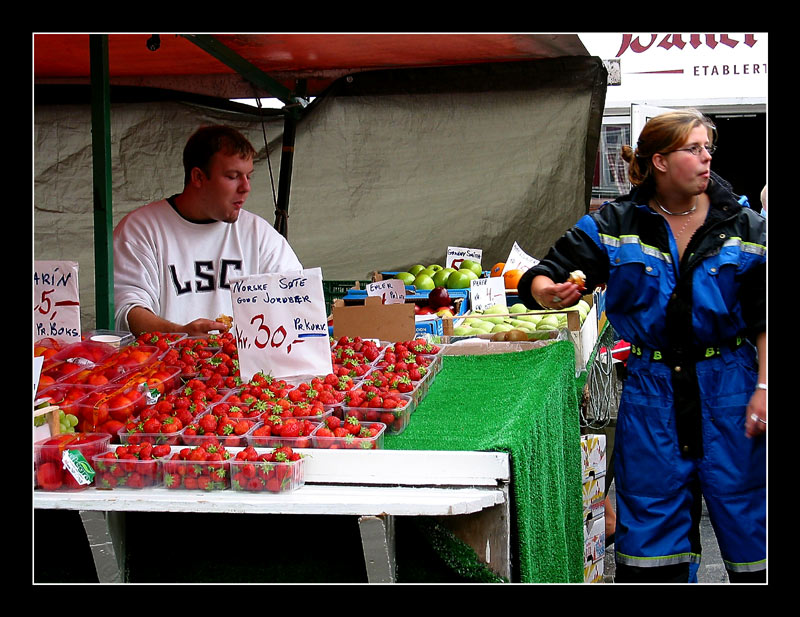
<point>423,325</point>
<point>594,572</point>
<point>373,319</point>
<point>594,539</point>
<point>593,456</point>
<point>594,495</point>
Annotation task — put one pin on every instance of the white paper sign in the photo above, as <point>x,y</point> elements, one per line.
<point>457,254</point>
<point>519,260</point>
<point>38,361</point>
<point>484,293</point>
<point>280,324</point>
<point>391,291</point>
<point>56,297</point>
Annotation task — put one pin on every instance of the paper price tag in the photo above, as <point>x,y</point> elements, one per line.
<point>484,293</point>
<point>456,255</point>
<point>391,291</point>
<point>280,324</point>
<point>57,311</point>
<point>519,260</point>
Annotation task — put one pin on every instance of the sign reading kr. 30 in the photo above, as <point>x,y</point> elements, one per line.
<point>640,43</point>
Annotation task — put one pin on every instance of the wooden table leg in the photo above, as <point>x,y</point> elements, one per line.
<point>488,532</point>
<point>378,542</point>
<point>106,532</point>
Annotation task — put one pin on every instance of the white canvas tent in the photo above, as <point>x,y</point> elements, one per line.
<point>390,166</point>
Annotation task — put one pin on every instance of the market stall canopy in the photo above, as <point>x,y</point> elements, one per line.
<point>413,143</point>
<point>196,63</point>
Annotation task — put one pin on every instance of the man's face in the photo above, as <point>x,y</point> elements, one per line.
<point>226,187</point>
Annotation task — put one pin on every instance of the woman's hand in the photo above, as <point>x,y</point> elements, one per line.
<point>756,421</point>
<point>551,295</point>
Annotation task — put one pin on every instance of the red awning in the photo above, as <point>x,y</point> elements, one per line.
<point>317,58</point>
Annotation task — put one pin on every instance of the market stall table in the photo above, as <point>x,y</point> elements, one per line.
<point>494,445</point>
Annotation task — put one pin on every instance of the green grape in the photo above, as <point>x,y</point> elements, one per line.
<point>39,420</point>
<point>72,419</point>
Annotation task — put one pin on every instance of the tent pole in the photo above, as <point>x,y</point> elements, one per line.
<point>285,178</point>
<point>101,190</point>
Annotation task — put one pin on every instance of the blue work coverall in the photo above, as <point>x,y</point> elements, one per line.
<point>692,370</point>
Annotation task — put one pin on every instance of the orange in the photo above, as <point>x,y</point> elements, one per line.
<point>512,277</point>
<point>497,269</point>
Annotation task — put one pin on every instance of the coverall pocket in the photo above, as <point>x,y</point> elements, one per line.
<point>646,453</point>
<point>733,462</point>
<point>633,278</point>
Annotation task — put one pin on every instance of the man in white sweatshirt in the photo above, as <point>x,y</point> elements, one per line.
<point>174,258</point>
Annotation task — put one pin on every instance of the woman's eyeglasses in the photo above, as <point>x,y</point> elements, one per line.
<point>695,149</point>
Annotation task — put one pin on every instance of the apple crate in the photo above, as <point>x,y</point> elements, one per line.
<point>63,462</point>
<point>265,476</point>
<point>113,472</point>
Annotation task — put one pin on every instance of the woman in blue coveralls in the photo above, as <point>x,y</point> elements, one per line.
<point>684,262</point>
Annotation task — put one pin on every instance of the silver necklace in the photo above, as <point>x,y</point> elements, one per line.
<point>685,225</point>
<point>684,213</point>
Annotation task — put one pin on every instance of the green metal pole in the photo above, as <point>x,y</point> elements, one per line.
<point>101,189</point>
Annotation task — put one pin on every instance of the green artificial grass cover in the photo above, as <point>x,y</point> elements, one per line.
<point>524,403</point>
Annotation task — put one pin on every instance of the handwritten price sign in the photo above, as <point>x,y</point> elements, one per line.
<point>519,260</point>
<point>456,255</point>
<point>280,324</point>
<point>57,310</point>
<point>484,293</point>
<point>391,291</point>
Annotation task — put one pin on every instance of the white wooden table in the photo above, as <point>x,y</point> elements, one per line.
<point>467,491</point>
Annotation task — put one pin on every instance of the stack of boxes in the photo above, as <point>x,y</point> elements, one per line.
<point>593,463</point>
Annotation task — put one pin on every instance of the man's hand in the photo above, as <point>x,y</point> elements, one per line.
<point>201,327</point>
<point>142,320</point>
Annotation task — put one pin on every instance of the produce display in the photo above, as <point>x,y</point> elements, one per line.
<point>278,471</point>
<point>176,409</point>
<point>435,275</point>
<point>130,466</point>
<point>204,467</point>
<point>179,414</point>
<point>517,322</point>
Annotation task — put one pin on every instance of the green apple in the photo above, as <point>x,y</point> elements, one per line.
<point>458,280</point>
<point>426,271</point>
<point>549,321</point>
<point>440,278</point>
<point>416,268</point>
<point>469,273</point>
<point>423,281</point>
<point>435,267</point>
<point>463,331</point>
<point>496,309</point>
<point>406,277</point>
<point>475,266</point>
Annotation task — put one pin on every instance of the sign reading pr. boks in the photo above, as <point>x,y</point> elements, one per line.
<point>280,324</point>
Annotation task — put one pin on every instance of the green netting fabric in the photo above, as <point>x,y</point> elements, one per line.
<point>524,403</point>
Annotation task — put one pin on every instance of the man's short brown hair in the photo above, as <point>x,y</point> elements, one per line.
<point>207,141</point>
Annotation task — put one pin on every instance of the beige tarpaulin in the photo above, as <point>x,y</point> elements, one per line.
<point>384,177</point>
